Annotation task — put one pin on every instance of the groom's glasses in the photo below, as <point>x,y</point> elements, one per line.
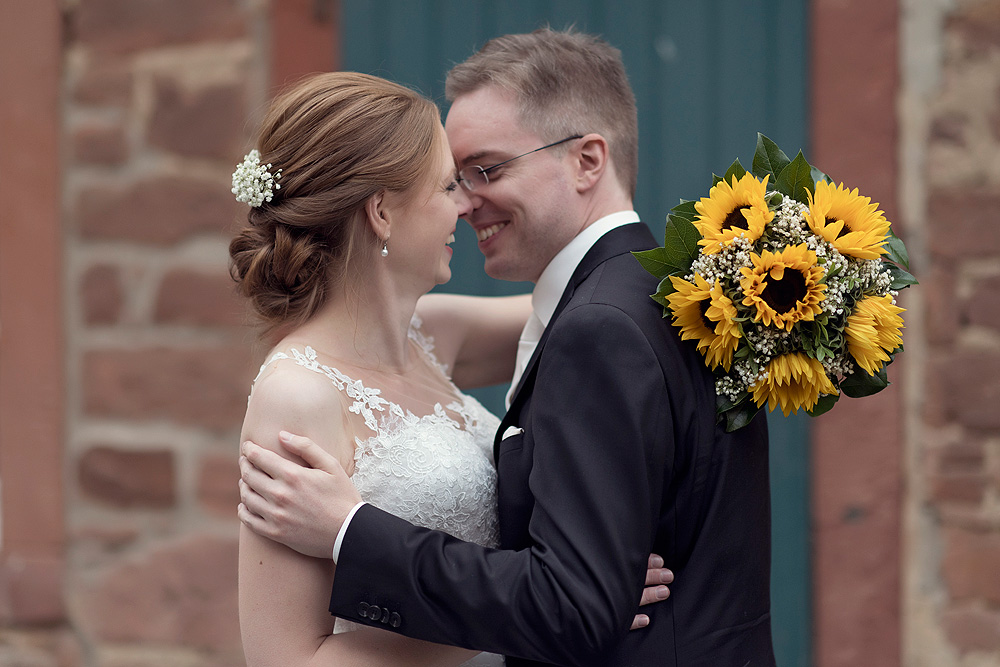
<point>474,177</point>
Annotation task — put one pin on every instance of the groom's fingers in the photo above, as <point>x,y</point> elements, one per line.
<point>301,446</point>
<point>657,576</point>
<point>640,621</point>
<point>652,594</point>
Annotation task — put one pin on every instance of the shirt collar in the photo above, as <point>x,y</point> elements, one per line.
<point>554,279</point>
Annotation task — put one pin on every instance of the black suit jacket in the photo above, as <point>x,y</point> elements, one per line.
<point>620,456</point>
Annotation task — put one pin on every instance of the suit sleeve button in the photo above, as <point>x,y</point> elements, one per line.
<point>395,620</point>
<point>363,610</point>
<point>374,613</point>
<point>385,615</point>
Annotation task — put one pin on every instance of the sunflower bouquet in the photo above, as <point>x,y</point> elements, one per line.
<point>788,285</point>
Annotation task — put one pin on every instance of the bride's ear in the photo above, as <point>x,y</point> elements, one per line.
<point>377,215</point>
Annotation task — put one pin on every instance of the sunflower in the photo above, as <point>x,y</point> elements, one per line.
<point>783,287</point>
<point>705,314</point>
<point>731,210</point>
<point>793,381</point>
<point>848,221</point>
<point>873,330</point>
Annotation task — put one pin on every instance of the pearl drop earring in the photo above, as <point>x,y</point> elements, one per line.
<point>385,248</point>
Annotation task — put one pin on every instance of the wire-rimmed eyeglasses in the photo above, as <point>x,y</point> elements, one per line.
<point>474,176</point>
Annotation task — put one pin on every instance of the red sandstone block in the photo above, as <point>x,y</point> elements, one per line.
<point>124,26</point>
<point>963,222</point>
<point>129,478</point>
<point>208,123</point>
<point>971,388</point>
<point>941,315</point>
<point>188,297</point>
<point>159,211</point>
<point>977,26</point>
<point>960,457</point>
<point>31,590</point>
<point>99,144</point>
<point>202,386</point>
<point>217,484</point>
<point>183,593</point>
<point>104,83</point>
<point>973,628</point>
<point>983,308</point>
<point>970,564</point>
<point>101,295</point>
<point>958,487</point>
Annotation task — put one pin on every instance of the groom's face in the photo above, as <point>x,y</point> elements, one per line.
<point>526,213</point>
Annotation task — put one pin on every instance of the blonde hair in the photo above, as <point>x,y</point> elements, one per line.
<point>339,138</point>
<point>565,83</point>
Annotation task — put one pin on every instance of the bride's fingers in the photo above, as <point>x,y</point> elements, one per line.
<point>652,594</point>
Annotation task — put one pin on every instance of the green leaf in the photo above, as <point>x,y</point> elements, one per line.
<point>824,404</point>
<point>680,239</point>
<point>685,210</point>
<point>900,277</point>
<point>818,175</point>
<point>663,290</point>
<point>796,179</point>
<point>860,384</point>
<point>739,416</point>
<point>735,169</point>
<point>654,261</point>
<point>768,159</point>
<point>897,251</point>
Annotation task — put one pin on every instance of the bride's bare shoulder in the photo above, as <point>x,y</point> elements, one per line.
<point>294,394</point>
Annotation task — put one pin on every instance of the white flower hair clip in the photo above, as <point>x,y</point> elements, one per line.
<point>253,182</point>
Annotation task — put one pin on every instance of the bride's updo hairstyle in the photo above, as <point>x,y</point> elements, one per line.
<point>338,138</point>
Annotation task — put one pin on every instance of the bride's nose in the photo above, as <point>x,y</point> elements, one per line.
<point>464,202</point>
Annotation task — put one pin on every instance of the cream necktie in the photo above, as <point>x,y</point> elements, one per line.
<point>530,336</point>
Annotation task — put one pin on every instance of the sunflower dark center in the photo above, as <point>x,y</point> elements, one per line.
<point>709,324</point>
<point>783,294</point>
<point>735,219</point>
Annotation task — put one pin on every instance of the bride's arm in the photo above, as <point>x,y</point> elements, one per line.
<point>475,336</point>
<point>283,595</point>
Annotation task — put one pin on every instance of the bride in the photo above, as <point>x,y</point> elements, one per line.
<point>353,204</point>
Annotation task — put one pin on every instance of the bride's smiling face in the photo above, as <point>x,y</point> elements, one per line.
<point>425,221</point>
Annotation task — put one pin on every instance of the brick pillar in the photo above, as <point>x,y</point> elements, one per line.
<point>951,105</point>
<point>857,448</point>
<point>32,395</point>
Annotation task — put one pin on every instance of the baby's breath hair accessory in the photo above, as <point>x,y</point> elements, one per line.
<point>253,182</point>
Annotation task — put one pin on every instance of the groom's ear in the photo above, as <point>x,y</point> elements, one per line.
<point>377,214</point>
<point>590,161</point>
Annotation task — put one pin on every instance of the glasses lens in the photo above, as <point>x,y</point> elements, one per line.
<point>473,177</point>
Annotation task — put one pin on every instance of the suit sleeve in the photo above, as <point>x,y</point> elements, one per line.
<point>598,418</point>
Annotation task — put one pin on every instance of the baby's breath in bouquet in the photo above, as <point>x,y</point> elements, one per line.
<point>787,283</point>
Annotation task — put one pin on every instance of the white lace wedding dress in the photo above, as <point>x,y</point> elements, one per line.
<point>426,455</point>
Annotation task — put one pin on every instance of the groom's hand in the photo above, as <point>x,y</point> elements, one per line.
<point>302,507</point>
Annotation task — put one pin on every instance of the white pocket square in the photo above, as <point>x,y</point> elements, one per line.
<point>512,430</point>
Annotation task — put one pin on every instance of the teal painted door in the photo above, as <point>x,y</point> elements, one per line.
<point>706,81</point>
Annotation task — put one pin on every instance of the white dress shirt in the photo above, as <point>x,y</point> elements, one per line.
<point>544,299</point>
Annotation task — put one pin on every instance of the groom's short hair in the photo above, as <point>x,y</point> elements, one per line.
<point>565,83</point>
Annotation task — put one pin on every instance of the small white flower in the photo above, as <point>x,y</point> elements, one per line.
<point>253,183</point>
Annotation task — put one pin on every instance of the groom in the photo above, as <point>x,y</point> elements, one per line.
<point>610,448</point>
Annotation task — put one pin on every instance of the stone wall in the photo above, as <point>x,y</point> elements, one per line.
<point>950,191</point>
<point>156,105</point>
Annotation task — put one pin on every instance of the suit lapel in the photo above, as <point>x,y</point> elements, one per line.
<point>618,241</point>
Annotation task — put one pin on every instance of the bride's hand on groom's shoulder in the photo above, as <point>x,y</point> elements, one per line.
<point>300,506</point>
<point>656,590</point>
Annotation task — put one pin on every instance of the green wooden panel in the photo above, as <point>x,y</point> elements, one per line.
<point>706,80</point>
